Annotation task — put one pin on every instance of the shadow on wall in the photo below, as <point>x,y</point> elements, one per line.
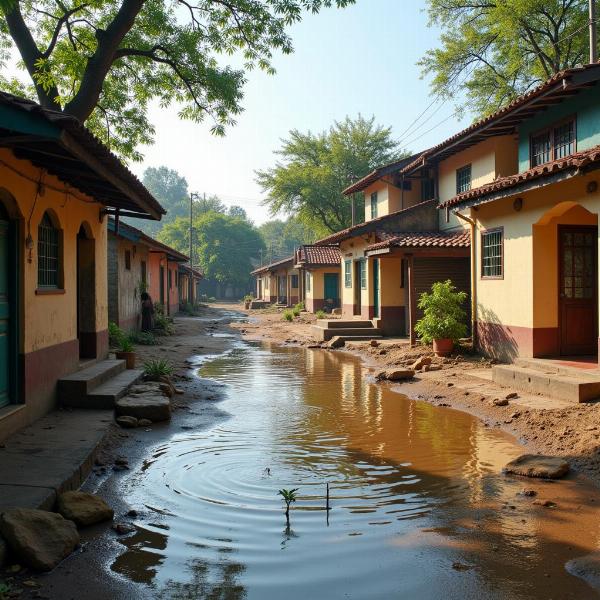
<point>494,339</point>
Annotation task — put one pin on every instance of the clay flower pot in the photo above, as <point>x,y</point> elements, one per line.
<point>128,357</point>
<point>443,347</point>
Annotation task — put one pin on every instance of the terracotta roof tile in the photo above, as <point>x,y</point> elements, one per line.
<point>310,254</point>
<point>574,161</point>
<point>273,265</point>
<point>435,239</point>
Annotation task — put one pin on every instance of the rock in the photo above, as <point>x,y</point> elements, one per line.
<point>336,342</point>
<point>533,465</point>
<point>83,509</point>
<point>545,503</point>
<point>420,363</point>
<point>336,311</point>
<point>398,374</point>
<point>449,384</point>
<point>152,407</point>
<point>587,568</point>
<point>3,552</point>
<point>500,402</point>
<point>178,390</point>
<point>41,539</point>
<point>435,368</point>
<point>515,415</point>
<point>374,343</point>
<point>167,389</point>
<point>132,513</point>
<point>123,528</point>
<point>458,566</point>
<point>529,493</point>
<point>127,422</point>
<point>511,396</point>
<point>144,423</point>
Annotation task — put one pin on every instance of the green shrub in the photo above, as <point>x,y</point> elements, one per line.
<point>287,315</point>
<point>144,338</point>
<point>125,344</point>
<point>115,334</point>
<point>158,368</point>
<point>159,309</point>
<point>296,311</point>
<point>248,298</point>
<point>162,324</point>
<point>443,316</point>
<point>320,314</point>
<point>300,306</point>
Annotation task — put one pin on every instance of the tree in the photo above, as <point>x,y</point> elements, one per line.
<point>314,170</point>
<point>226,248</point>
<point>237,211</point>
<point>203,204</point>
<point>103,61</point>
<point>497,50</point>
<point>281,238</point>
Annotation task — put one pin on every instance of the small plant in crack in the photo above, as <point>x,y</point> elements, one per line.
<point>289,497</point>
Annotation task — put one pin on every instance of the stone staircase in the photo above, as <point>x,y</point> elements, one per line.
<point>98,385</point>
<point>354,330</point>
<point>542,376</point>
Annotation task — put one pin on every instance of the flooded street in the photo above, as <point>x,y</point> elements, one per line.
<point>419,506</point>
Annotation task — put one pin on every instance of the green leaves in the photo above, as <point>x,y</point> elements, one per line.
<point>313,170</point>
<point>289,496</point>
<point>444,317</point>
<point>494,51</point>
<point>104,61</point>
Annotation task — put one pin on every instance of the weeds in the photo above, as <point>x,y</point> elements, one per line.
<point>289,497</point>
<point>162,324</point>
<point>144,338</point>
<point>287,315</point>
<point>296,311</point>
<point>115,334</point>
<point>320,314</point>
<point>125,344</point>
<point>158,368</point>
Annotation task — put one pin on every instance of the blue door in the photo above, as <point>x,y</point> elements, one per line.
<point>5,315</point>
<point>332,286</point>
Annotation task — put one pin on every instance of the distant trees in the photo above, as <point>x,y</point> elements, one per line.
<point>497,50</point>
<point>281,238</point>
<point>313,169</point>
<point>105,61</point>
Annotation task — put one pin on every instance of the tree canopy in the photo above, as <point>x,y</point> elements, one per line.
<point>104,61</point>
<point>281,238</point>
<point>226,247</point>
<point>496,50</point>
<point>313,170</point>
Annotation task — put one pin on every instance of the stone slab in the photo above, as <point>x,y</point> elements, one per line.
<point>537,465</point>
<point>26,496</point>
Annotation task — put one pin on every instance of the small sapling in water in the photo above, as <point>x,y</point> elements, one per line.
<point>289,496</point>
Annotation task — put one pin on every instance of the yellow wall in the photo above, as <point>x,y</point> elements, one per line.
<point>354,249</point>
<point>52,319</point>
<point>527,296</point>
<point>390,198</point>
<point>390,293</point>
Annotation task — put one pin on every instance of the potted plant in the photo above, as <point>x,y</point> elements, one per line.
<point>126,353</point>
<point>444,320</point>
<point>248,301</point>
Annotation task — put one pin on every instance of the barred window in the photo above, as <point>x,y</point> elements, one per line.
<point>363,273</point>
<point>374,205</point>
<point>48,254</point>
<point>564,140</point>
<point>540,149</point>
<point>427,189</point>
<point>553,143</point>
<point>463,179</point>
<point>348,273</point>
<point>492,254</point>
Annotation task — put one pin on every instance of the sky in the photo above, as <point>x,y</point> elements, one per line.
<point>361,59</point>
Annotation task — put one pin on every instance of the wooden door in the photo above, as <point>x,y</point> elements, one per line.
<point>578,292</point>
<point>162,286</point>
<point>376,301</point>
<point>5,315</point>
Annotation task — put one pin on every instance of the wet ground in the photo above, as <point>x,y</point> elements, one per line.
<point>419,507</point>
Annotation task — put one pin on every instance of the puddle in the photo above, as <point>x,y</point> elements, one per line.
<point>419,507</point>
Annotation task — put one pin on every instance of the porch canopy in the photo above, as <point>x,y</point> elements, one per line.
<point>312,256</point>
<point>280,264</point>
<point>63,147</point>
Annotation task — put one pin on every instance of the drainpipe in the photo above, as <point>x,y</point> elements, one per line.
<point>473,277</point>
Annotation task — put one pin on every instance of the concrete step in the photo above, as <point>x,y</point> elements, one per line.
<point>77,385</point>
<point>359,338</point>
<point>339,324</point>
<point>552,367</point>
<point>575,387</point>
<point>324,335</point>
<point>105,395</point>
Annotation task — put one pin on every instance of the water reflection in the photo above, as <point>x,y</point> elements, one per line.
<point>415,491</point>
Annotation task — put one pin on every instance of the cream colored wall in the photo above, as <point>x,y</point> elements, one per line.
<point>528,296</point>
<point>390,198</point>
<point>317,283</point>
<point>353,250</point>
<point>52,319</point>
<point>129,281</point>
<point>390,292</point>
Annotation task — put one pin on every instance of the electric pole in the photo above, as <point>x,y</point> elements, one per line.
<point>193,195</point>
<point>593,32</point>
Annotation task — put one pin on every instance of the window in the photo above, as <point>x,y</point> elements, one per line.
<point>491,254</point>
<point>348,273</point>
<point>463,179</point>
<point>128,260</point>
<point>374,205</point>
<point>48,254</point>
<point>553,143</point>
<point>403,272</point>
<point>427,189</point>
<point>307,281</point>
<point>143,271</point>
<point>170,278</point>
<point>363,274</point>
<point>294,282</point>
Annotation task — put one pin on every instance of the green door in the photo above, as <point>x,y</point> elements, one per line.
<point>5,324</point>
<point>332,287</point>
<point>376,288</point>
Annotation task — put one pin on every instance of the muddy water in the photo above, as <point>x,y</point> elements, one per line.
<point>419,507</point>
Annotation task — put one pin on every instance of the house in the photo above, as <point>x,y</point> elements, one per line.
<point>278,282</point>
<point>535,221</point>
<point>59,184</point>
<point>319,276</point>
<point>402,248</point>
<point>189,281</point>
<point>133,268</point>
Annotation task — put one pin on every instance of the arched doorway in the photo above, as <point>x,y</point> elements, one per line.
<point>86,292</point>
<point>9,300</point>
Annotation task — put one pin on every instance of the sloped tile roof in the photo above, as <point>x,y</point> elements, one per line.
<point>273,265</point>
<point>310,254</point>
<point>574,161</point>
<point>435,239</point>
